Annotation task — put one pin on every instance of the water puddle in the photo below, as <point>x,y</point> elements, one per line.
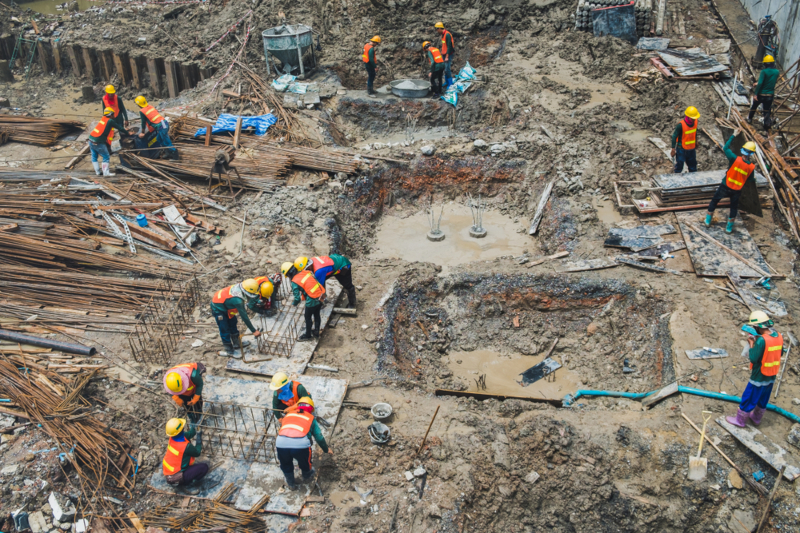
<point>503,374</point>
<point>404,238</point>
<point>55,7</point>
<point>628,132</point>
<point>605,211</point>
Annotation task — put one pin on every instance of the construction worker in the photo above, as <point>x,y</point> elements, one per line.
<point>765,358</point>
<point>765,92</point>
<point>294,441</point>
<point>368,57</point>
<point>110,99</point>
<point>100,141</point>
<point>185,384</point>
<point>306,287</point>
<point>337,266</point>
<point>178,465</point>
<point>225,305</point>
<point>437,68</point>
<point>731,187</point>
<point>266,288</point>
<point>152,121</point>
<point>448,50</point>
<point>287,393</point>
<point>684,141</point>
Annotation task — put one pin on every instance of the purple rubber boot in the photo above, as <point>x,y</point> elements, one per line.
<point>739,420</point>
<point>756,415</point>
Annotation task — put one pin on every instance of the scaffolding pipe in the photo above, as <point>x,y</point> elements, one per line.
<point>66,347</point>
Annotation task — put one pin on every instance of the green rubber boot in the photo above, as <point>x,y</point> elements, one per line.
<point>729,227</point>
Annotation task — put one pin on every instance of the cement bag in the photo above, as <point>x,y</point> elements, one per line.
<point>298,88</point>
<point>451,95</point>
<point>467,73</point>
<point>282,83</point>
<point>462,86</point>
<point>227,124</point>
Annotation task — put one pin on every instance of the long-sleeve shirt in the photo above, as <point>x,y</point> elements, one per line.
<point>304,442</point>
<point>279,405</point>
<point>123,113</point>
<point>230,304</point>
<point>766,82</point>
<point>371,56</point>
<point>756,354</point>
<point>298,292</point>
<point>730,154</point>
<point>197,379</point>
<point>192,450</point>
<point>339,262</point>
<point>435,67</point>
<point>676,135</point>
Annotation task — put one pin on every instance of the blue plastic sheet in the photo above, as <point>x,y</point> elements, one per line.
<point>227,124</point>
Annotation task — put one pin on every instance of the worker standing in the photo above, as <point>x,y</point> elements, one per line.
<point>448,50</point>
<point>185,384</point>
<point>765,352</point>
<point>306,287</point>
<point>334,265</point>
<point>765,92</point>
<point>368,57</point>
<point>437,68</point>
<point>110,99</point>
<point>152,121</point>
<point>226,304</point>
<point>293,442</point>
<point>266,288</point>
<point>731,187</point>
<point>178,465</point>
<point>684,141</point>
<point>287,393</point>
<point>100,141</point>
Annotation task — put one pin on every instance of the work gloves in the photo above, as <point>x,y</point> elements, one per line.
<point>194,399</point>
<point>178,400</point>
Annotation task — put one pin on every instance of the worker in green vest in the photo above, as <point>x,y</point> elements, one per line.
<point>765,92</point>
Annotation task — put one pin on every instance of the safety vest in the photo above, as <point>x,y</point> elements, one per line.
<point>221,296</point>
<point>320,262</point>
<point>100,128</point>
<point>309,284</point>
<point>365,55</point>
<point>737,174</point>
<point>295,397</point>
<point>173,459</point>
<point>296,425</point>
<point>191,367</point>
<point>689,136</point>
<point>152,115</point>
<point>771,360</point>
<point>437,56</point>
<point>445,33</point>
<point>107,102</point>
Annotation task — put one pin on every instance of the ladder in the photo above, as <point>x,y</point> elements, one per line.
<point>18,53</point>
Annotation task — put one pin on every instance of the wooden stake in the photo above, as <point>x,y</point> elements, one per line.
<point>429,429</point>
<point>769,500</point>
<point>237,132</point>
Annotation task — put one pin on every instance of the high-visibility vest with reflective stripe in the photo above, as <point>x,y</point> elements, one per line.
<point>191,367</point>
<point>437,56</point>
<point>152,115</point>
<point>365,55</point>
<point>737,174</point>
<point>771,360</point>
<point>221,296</point>
<point>296,425</point>
<point>173,459</point>
<point>309,284</point>
<point>688,136</point>
<point>320,262</point>
<point>100,128</point>
<point>295,397</point>
<point>107,102</point>
<point>444,40</point>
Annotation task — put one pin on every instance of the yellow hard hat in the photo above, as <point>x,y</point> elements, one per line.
<point>376,39</point>
<point>279,380</point>
<point>425,43</point>
<point>286,267</point>
<point>301,263</point>
<point>141,101</point>
<point>110,89</point>
<point>751,146</point>
<point>758,318</point>
<point>174,382</point>
<point>108,111</point>
<point>175,426</point>
<point>306,399</point>
<point>250,285</point>
<point>692,112</point>
<point>768,59</point>
<point>266,289</point>
<point>439,26</point>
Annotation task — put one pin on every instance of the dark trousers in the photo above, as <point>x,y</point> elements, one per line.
<point>436,81</point>
<point>196,471</point>
<point>195,411</point>
<point>723,191</point>
<point>227,327</point>
<point>370,76</point>
<point>687,156</point>
<point>345,278</point>
<point>287,457</point>
<point>765,101</point>
<point>313,313</point>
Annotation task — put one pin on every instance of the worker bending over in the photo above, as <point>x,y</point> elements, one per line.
<point>306,287</point>
<point>226,304</point>
<point>294,441</point>
<point>153,122</point>
<point>100,140</point>
<point>737,175</point>
<point>765,92</point>
<point>185,384</point>
<point>326,266</point>
<point>110,99</point>
<point>178,465</point>
<point>287,394</point>
<point>436,62</point>
<point>448,50</point>
<point>766,347</point>
<point>368,57</point>
<point>263,305</point>
<point>684,141</point>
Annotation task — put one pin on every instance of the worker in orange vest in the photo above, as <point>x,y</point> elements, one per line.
<point>226,305</point>
<point>287,394</point>
<point>306,287</point>
<point>266,287</point>
<point>368,57</point>
<point>178,465</point>
<point>739,172</point>
<point>684,141</point>
<point>437,68</point>
<point>152,121</point>
<point>766,348</point>
<point>100,140</point>
<point>110,99</point>
<point>293,442</point>
<point>448,50</point>
<point>185,384</point>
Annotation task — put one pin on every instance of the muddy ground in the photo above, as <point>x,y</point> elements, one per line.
<point>551,104</point>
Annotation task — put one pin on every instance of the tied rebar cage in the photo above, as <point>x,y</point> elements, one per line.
<point>279,331</point>
<point>238,431</point>
<point>163,319</point>
<point>477,208</point>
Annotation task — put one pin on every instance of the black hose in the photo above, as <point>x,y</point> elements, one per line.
<point>67,347</point>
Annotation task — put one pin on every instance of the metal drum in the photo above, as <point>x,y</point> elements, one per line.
<point>287,43</point>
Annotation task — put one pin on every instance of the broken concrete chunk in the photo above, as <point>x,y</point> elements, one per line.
<point>65,526</point>
<point>794,435</point>
<point>428,150</point>
<point>532,477</point>
<point>419,472</point>
<point>37,522</point>
<point>63,509</point>
<point>81,526</point>
<point>409,475</point>
<point>9,470</point>
<point>479,143</point>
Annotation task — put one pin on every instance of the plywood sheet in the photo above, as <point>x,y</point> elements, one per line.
<point>762,446</point>
<point>709,259</point>
<point>691,62</point>
<point>705,178</point>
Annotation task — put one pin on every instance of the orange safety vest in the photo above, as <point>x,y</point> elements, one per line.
<point>192,366</point>
<point>771,360</point>
<point>221,296</point>
<point>98,130</point>
<point>689,137</point>
<point>320,262</point>
<point>296,398</point>
<point>737,174</point>
<point>444,40</point>
<point>365,55</point>
<point>108,103</point>
<point>173,458</point>
<point>437,56</point>
<point>309,284</point>
<point>152,115</point>
<point>296,425</point>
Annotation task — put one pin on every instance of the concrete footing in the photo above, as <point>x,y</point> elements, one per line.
<point>435,237</point>
<point>477,233</point>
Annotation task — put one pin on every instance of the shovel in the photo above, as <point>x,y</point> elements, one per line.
<point>698,466</point>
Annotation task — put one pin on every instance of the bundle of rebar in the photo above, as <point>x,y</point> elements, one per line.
<point>212,516</point>
<point>36,130</point>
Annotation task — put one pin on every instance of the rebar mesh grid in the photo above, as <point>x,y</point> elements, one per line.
<point>279,332</point>
<point>238,431</point>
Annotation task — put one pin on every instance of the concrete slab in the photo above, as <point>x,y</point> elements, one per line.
<point>762,446</point>
<point>277,523</point>
<point>266,479</point>
<point>228,470</point>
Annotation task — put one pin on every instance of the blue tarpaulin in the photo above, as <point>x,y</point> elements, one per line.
<point>227,124</point>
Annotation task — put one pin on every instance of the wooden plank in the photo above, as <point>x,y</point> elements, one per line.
<point>734,253</point>
<point>237,132</point>
<point>44,56</point>
<point>136,522</point>
<point>172,78</point>
<point>152,72</point>
<point>10,227</point>
<point>87,63</point>
<point>537,217</point>
<point>149,235</point>
<point>762,446</point>
<point>645,266</point>
<point>557,255</point>
<point>56,49</point>
<point>107,62</point>
<point>589,264</point>
<point>651,400</point>
<point>73,59</point>
<point>122,66</point>
<point>136,72</point>
<point>81,155</point>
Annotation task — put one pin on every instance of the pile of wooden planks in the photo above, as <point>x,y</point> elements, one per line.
<point>36,130</point>
<point>691,190</point>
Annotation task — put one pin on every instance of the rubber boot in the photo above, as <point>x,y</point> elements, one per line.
<point>756,415</point>
<point>290,484</point>
<point>96,165</point>
<point>308,475</point>
<point>106,171</point>
<point>729,227</point>
<point>749,118</point>
<point>305,337</point>
<point>351,298</point>
<point>740,420</point>
<point>238,343</point>
<point>709,216</point>
<point>227,350</point>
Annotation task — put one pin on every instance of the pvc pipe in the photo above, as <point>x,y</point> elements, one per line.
<point>66,347</point>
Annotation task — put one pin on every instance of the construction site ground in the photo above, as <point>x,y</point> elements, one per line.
<point>550,104</point>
